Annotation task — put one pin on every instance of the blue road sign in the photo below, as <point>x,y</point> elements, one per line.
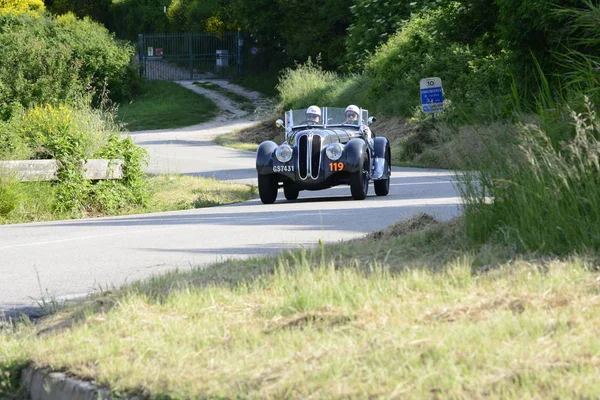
<point>432,95</point>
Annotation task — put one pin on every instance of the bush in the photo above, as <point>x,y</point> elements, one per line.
<point>133,188</point>
<point>9,196</point>
<point>469,73</point>
<point>12,144</point>
<point>62,132</point>
<point>34,69</point>
<point>47,61</point>
<point>104,62</point>
<point>74,134</point>
<point>373,23</point>
<point>305,85</point>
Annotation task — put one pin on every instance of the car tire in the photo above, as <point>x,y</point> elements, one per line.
<point>382,186</point>
<point>290,191</point>
<point>359,181</point>
<point>267,188</point>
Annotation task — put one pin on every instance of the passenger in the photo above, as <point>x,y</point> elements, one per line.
<point>351,114</point>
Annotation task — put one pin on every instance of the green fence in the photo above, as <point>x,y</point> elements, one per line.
<point>190,56</point>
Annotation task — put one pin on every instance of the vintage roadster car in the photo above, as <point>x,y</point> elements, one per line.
<point>319,155</point>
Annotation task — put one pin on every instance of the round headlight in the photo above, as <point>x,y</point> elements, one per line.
<point>334,151</point>
<point>284,153</point>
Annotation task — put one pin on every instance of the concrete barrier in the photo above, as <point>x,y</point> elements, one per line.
<point>44,385</point>
<point>45,170</point>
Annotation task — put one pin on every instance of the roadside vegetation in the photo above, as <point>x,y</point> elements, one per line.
<point>249,139</point>
<point>61,79</point>
<point>159,106</point>
<point>37,201</point>
<point>414,310</point>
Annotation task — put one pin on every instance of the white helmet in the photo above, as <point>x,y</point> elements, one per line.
<point>313,113</point>
<point>352,108</point>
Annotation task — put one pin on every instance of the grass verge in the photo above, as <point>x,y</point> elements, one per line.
<point>250,138</point>
<point>164,105</point>
<point>410,311</point>
<point>242,102</point>
<point>169,193</point>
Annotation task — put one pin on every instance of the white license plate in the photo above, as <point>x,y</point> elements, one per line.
<point>283,168</point>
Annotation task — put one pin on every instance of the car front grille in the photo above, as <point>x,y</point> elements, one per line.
<point>309,156</point>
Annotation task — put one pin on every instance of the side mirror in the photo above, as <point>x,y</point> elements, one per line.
<point>279,123</point>
<point>371,120</point>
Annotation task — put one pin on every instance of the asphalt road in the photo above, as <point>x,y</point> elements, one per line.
<point>65,259</point>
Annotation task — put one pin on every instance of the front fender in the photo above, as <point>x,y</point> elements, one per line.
<point>264,157</point>
<point>381,158</point>
<point>356,151</point>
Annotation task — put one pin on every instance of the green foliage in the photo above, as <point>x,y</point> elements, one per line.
<point>469,73</point>
<point>132,188</point>
<point>105,63</point>
<point>34,68</point>
<point>72,135</point>
<point>128,18</point>
<point>54,133</point>
<point>306,84</point>
<point>546,198</point>
<point>9,196</point>
<point>373,23</point>
<point>62,132</point>
<point>48,61</point>
<point>581,62</point>
<point>95,9</point>
<point>296,30</point>
<point>12,144</point>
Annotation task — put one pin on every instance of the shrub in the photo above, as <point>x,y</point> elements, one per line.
<point>9,196</point>
<point>34,69</point>
<point>12,144</point>
<point>373,23</point>
<point>62,132</point>
<point>50,62</point>
<point>132,189</point>
<point>469,73</point>
<point>306,84</point>
<point>74,134</point>
<point>104,62</point>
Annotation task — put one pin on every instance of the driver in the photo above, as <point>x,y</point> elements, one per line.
<point>313,115</point>
<point>351,114</point>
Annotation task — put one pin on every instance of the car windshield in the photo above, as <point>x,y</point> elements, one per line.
<point>330,116</point>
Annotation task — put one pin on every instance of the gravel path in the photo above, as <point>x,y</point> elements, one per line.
<point>230,117</point>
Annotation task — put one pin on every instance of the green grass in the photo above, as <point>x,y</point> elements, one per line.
<point>545,192</point>
<point>242,102</point>
<point>413,311</point>
<point>164,105</point>
<point>264,82</point>
<point>35,200</point>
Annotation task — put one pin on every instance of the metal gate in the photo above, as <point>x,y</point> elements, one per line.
<point>190,56</point>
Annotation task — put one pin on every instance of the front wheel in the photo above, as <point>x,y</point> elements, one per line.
<point>359,181</point>
<point>290,191</point>
<point>267,188</point>
<point>382,186</point>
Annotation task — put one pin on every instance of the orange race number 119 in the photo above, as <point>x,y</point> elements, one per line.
<point>336,166</point>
